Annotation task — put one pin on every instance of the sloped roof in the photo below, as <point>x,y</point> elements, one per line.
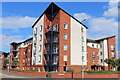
<point>57,7</point>
<point>22,41</point>
<point>90,40</point>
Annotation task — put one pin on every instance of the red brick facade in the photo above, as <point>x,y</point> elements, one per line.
<point>59,17</point>
<point>91,57</point>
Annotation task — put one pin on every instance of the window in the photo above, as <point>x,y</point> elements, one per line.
<point>101,60</point>
<point>83,48</point>
<point>82,38</point>
<point>93,45</point>
<point>65,36</point>
<point>82,30</point>
<point>40,27</point>
<point>96,46</point>
<point>65,57</point>
<point>55,48</point>
<point>82,58</point>
<point>34,59</point>
<point>40,37</point>
<point>35,39</point>
<point>112,54</point>
<point>93,61</point>
<point>65,26</point>
<point>112,47</point>
<point>47,47</point>
<point>100,53</point>
<point>40,48</point>
<point>39,58</point>
<point>65,46</point>
<point>93,54</point>
<point>55,59</point>
<point>86,51</point>
<point>55,27</point>
<point>28,59</point>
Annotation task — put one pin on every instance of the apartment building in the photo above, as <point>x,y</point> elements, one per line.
<point>98,51</point>
<point>59,41</point>
<point>22,52</point>
<point>3,55</point>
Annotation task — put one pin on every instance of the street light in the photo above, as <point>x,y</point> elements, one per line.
<point>83,57</point>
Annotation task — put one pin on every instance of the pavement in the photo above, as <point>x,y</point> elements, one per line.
<point>5,74</point>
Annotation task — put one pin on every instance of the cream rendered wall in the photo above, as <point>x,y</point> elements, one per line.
<point>76,43</point>
<point>105,51</point>
<point>39,23</point>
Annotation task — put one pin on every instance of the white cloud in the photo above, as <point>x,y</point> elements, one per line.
<point>112,9</point>
<point>15,22</point>
<point>81,16</point>
<point>102,27</point>
<point>6,40</point>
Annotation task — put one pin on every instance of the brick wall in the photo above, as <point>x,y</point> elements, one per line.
<point>86,75</point>
<point>68,75</point>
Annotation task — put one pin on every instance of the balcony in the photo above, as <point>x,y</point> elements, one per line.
<point>53,29</point>
<point>51,53</point>
<point>54,40</point>
<point>55,62</point>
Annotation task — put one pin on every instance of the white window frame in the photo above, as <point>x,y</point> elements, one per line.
<point>39,58</point>
<point>65,57</point>
<point>111,47</point>
<point>93,61</point>
<point>40,48</point>
<point>82,29</point>
<point>65,36</point>
<point>112,54</point>
<point>65,26</point>
<point>65,46</point>
<point>93,54</point>
<point>41,27</point>
<point>41,37</point>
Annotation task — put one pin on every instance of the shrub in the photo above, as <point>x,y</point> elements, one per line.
<point>81,71</point>
<point>103,72</point>
<point>48,75</point>
<point>70,70</point>
<point>33,70</point>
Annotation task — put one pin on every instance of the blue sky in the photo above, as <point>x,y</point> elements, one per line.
<point>18,18</point>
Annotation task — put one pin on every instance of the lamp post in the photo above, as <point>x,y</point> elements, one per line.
<point>83,57</point>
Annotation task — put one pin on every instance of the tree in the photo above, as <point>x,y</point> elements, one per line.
<point>118,63</point>
<point>6,61</point>
<point>15,62</point>
<point>111,63</point>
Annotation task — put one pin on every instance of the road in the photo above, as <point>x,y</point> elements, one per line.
<point>5,74</point>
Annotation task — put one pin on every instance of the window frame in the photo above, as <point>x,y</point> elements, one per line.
<point>65,26</point>
<point>65,47</point>
<point>65,34</point>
